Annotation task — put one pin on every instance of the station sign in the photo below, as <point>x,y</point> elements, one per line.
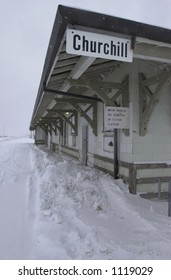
<point>116,117</point>
<point>98,45</point>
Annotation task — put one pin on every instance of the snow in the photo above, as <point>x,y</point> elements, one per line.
<point>51,207</point>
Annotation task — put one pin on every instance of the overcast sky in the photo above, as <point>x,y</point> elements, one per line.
<point>25,28</point>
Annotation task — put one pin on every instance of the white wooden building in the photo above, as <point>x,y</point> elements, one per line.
<point>94,61</point>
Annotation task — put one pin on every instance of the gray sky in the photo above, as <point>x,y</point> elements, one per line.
<point>25,28</point>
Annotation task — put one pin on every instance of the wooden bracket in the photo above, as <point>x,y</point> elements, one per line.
<point>48,124</point>
<point>43,127</point>
<point>70,116</point>
<point>46,127</point>
<point>54,122</point>
<point>49,128</point>
<point>108,92</point>
<point>125,98</point>
<point>149,95</point>
<point>59,125</point>
<point>87,109</point>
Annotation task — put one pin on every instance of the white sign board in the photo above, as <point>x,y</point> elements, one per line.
<point>98,45</point>
<point>116,117</point>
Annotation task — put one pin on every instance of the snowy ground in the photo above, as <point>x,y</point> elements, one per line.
<point>53,208</point>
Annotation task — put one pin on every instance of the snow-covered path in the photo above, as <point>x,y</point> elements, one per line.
<point>53,208</point>
<point>15,171</point>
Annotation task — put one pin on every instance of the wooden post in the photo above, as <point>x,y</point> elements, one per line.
<point>115,141</point>
<point>133,179</point>
<point>159,188</point>
<point>169,198</point>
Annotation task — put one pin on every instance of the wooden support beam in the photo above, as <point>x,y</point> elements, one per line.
<point>56,78</point>
<point>153,53</point>
<point>103,88</point>
<point>81,67</point>
<point>116,95</point>
<point>66,62</point>
<point>49,126</point>
<point>61,111</point>
<point>125,92</point>
<point>52,122</point>
<point>109,85</point>
<point>107,91</point>
<point>77,103</point>
<point>125,98</point>
<point>56,123</point>
<point>43,127</point>
<point>73,95</point>
<point>64,56</point>
<point>133,179</point>
<point>73,126</point>
<point>97,89</point>
<point>62,114</point>
<point>77,71</point>
<point>63,69</point>
<point>148,99</point>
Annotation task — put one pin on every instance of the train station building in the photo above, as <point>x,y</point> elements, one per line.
<point>105,96</point>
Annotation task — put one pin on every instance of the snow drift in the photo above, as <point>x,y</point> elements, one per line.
<point>67,211</point>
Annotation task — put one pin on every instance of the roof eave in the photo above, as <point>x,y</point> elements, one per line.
<point>67,15</point>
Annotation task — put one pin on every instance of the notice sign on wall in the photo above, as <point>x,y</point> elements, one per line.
<point>116,117</point>
<point>98,45</point>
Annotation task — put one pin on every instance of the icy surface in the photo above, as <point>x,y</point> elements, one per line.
<point>53,208</point>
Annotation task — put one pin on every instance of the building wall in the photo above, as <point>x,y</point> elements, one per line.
<point>154,147</point>
<point>40,136</point>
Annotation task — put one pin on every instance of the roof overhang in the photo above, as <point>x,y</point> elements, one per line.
<point>65,72</point>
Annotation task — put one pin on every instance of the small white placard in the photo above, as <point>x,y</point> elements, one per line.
<point>116,117</point>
